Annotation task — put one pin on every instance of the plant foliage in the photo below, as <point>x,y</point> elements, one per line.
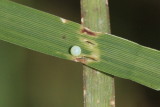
<point>52,35</point>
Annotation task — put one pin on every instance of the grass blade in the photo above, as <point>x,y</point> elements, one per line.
<point>51,35</point>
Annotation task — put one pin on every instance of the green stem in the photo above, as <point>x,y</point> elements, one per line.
<point>98,87</point>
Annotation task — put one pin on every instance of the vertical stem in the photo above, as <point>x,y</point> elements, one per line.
<point>12,76</point>
<point>98,87</point>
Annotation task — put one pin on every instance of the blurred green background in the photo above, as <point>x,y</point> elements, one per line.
<point>32,79</point>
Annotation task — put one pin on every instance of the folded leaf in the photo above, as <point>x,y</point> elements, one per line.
<point>55,36</point>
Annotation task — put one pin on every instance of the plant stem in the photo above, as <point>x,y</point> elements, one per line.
<point>98,87</point>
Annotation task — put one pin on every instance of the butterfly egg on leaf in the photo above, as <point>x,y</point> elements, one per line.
<point>75,50</point>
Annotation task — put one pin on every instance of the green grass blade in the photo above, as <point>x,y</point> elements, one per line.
<point>48,34</point>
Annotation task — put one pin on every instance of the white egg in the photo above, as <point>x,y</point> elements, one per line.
<point>75,50</point>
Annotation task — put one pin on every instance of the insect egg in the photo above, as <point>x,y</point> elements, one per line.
<point>75,50</point>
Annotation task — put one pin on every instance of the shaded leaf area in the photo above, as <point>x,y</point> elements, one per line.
<point>55,36</point>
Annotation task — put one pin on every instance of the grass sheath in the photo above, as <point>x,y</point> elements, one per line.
<point>98,87</point>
